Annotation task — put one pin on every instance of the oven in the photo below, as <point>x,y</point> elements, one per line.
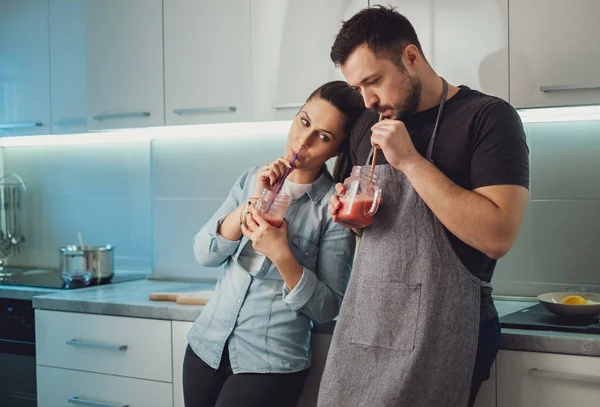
<point>17,353</point>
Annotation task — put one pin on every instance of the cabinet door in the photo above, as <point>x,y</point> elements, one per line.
<point>319,344</point>
<point>291,41</point>
<point>179,330</point>
<point>554,52</point>
<point>70,388</point>
<point>68,66</point>
<point>24,68</point>
<point>527,379</point>
<point>470,44</point>
<point>465,41</point>
<point>207,61</point>
<point>487,393</point>
<point>131,347</point>
<point>124,63</point>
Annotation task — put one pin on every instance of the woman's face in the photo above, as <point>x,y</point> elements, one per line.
<point>316,135</point>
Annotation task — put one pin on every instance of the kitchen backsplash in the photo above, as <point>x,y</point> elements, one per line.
<point>149,199</point>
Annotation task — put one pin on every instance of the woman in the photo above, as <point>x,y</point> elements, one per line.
<point>251,344</point>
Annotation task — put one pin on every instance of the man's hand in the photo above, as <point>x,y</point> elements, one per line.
<point>393,139</point>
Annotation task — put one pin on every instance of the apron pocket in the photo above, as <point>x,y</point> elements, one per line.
<point>386,315</point>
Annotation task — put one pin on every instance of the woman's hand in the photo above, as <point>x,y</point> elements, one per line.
<point>266,239</point>
<point>270,175</point>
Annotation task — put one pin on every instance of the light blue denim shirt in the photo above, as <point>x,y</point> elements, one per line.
<point>267,327</point>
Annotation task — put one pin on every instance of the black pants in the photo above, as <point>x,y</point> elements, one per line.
<point>204,386</point>
<point>487,349</point>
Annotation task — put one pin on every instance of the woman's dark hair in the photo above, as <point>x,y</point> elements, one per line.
<point>385,31</point>
<point>350,103</point>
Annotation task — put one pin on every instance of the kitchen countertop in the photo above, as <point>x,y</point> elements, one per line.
<point>127,299</point>
<point>18,292</point>
<point>130,299</point>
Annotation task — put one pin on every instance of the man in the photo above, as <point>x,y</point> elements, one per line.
<point>418,325</point>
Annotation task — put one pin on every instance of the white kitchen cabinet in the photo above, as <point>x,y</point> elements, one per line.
<point>319,344</point>
<point>69,388</point>
<point>24,68</point>
<point>465,41</point>
<point>487,393</point>
<point>68,66</point>
<point>207,61</point>
<point>554,52</point>
<point>124,72</point>
<point>527,379</point>
<point>180,330</point>
<point>131,347</point>
<point>291,41</point>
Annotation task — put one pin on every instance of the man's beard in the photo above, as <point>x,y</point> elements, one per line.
<point>408,106</point>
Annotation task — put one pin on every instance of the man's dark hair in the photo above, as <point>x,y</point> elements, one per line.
<point>350,103</point>
<point>385,31</point>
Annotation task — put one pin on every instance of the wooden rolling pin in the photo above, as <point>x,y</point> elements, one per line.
<point>192,298</point>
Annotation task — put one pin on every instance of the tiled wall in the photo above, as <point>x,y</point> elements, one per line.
<point>149,199</point>
<point>560,237</point>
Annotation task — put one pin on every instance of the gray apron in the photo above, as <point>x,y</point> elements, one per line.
<point>409,323</point>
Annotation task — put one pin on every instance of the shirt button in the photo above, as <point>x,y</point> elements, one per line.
<point>239,301</point>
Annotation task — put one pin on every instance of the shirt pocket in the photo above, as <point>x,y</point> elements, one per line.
<point>304,247</point>
<point>386,315</point>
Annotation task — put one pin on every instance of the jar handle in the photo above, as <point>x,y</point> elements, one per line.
<point>245,209</point>
<point>375,205</point>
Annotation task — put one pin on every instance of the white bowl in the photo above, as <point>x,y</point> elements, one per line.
<point>553,303</point>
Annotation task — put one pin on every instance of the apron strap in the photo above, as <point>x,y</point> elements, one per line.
<point>437,120</point>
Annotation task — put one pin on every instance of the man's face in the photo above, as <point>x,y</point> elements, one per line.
<point>385,88</point>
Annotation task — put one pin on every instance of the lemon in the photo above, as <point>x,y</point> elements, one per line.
<point>574,300</point>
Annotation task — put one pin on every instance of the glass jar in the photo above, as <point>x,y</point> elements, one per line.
<point>271,207</point>
<point>361,199</point>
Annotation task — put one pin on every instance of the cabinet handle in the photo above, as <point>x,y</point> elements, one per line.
<point>564,376</point>
<point>284,106</point>
<point>71,122</point>
<point>84,402</point>
<point>20,125</point>
<point>87,344</point>
<point>101,117</point>
<point>558,88</point>
<point>203,110</point>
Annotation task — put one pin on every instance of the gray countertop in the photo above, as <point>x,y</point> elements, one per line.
<point>127,299</point>
<point>130,299</point>
<point>18,292</point>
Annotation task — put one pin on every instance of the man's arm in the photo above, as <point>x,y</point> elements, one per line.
<point>487,218</point>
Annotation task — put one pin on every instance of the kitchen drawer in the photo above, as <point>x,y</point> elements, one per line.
<point>527,379</point>
<point>70,388</point>
<point>121,346</point>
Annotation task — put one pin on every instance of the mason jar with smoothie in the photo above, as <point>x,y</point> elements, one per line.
<point>271,206</point>
<point>361,199</point>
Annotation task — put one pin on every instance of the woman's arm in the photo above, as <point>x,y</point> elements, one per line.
<point>319,293</point>
<point>220,237</point>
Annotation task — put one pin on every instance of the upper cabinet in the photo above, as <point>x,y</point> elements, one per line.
<point>72,66</point>
<point>207,61</point>
<point>465,41</point>
<point>24,68</point>
<point>124,72</point>
<point>554,52</point>
<point>68,66</point>
<point>291,41</point>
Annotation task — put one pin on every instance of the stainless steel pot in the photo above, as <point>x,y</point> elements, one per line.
<point>86,263</point>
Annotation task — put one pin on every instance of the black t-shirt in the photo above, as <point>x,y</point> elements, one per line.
<point>480,142</point>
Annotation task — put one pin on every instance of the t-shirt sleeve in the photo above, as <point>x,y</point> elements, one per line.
<point>500,155</point>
